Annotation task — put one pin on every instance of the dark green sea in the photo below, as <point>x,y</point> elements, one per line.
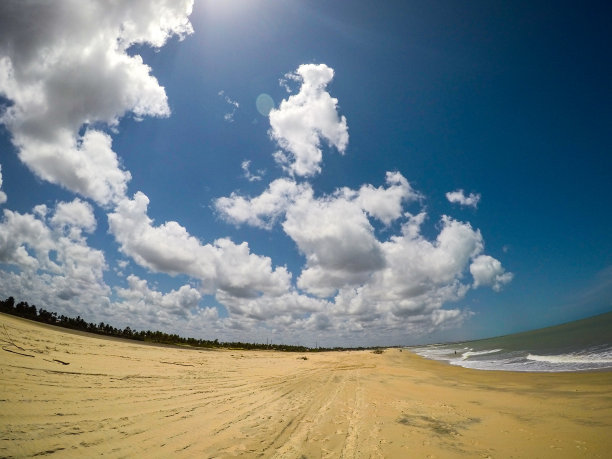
<point>582,345</point>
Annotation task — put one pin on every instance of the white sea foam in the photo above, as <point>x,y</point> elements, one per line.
<point>470,353</point>
<point>434,352</point>
<point>503,364</point>
<point>542,363</point>
<point>577,358</point>
<point>592,358</point>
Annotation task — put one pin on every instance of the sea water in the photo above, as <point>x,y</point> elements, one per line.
<point>576,346</point>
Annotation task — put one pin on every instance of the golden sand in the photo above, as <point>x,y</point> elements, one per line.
<point>78,395</point>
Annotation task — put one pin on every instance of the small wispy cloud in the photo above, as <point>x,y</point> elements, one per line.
<point>285,81</point>
<point>251,177</point>
<point>3,197</point>
<point>229,116</point>
<point>459,197</point>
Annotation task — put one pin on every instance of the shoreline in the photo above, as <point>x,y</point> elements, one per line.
<point>448,362</point>
<point>78,396</point>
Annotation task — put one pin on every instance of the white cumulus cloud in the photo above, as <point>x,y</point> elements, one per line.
<point>336,237</point>
<point>86,165</point>
<point>140,299</point>
<point>147,308</point>
<point>459,197</point>
<point>52,262</point>
<point>261,211</point>
<point>419,276</point>
<point>75,214</point>
<point>306,118</point>
<point>407,279</point>
<point>64,65</point>
<point>386,204</point>
<point>169,248</point>
<point>487,271</point>
<point>54,267</point>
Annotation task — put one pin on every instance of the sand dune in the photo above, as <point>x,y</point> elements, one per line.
<point>75,395</point>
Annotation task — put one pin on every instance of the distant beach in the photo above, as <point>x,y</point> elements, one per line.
<point>79,395</point>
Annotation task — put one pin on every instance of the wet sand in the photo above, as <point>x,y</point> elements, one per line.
<point>79,395</point>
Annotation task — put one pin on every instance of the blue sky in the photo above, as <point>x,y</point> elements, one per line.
<point>430,170</point>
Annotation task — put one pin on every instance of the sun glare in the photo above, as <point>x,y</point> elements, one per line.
<point>220,9</point>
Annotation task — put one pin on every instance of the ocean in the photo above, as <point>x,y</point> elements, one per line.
<point>581,345</point>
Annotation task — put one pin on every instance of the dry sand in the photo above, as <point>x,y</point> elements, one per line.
<point>82,396</point>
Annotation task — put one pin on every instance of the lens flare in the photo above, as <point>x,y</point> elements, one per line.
<point>264,104</point>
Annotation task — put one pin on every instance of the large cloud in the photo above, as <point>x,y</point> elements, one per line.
<point>74,215</point>
<point>333,232</point>
<point>421,276</point>
<point>403,283</point>
<point>261,211</point>
<point>145,307</point>
<point>285,309</point>
<point>305,118</point>
<point>52,262</point>
<point>53,266</point>
<point>25,241</point>
<point>337,239</point>
<point>139,299</point>
<point>60,76</point>
<point>169,248</point>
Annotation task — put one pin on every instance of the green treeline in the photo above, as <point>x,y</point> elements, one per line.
<point>23,309</point>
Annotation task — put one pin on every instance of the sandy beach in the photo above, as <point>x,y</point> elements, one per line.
<point>76,395</point>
